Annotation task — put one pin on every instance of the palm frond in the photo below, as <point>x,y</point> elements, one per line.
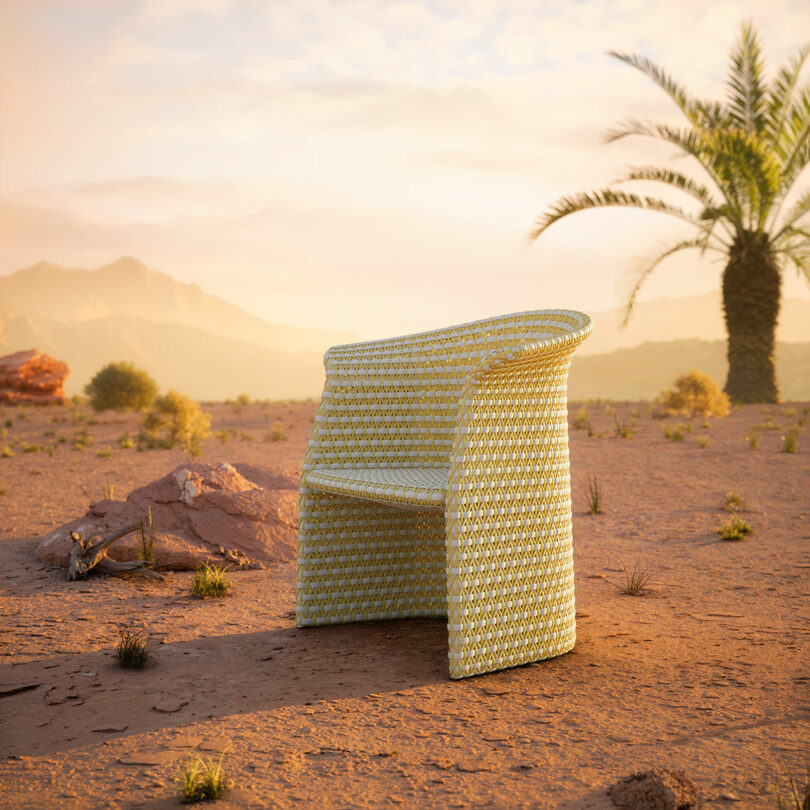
<point>780,97</point>
<point>603,198</point>
<point>745,161</point>
<point>699,145</point>
<point>800,209</point>
<point>672,178</point>
<point>795,140</point>
<point>698,113</point>
<point>646,270</point>
<point>747,98</point>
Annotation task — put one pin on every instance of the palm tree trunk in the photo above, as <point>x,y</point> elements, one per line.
<point>751,299</point>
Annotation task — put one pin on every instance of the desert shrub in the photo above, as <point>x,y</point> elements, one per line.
<point>790,441</point>
<point>30,448</point>
<point>733,502</point>
<point>132,648</point>
<point>7,452</point>
<point>693,393</point>
<point>126,442</point>
<point>175,420</point>
<point>674,434</point>
<point>753,439</point>
<point>702,441</point>
<point>121,387</point>
<point>622,429</point>
<point>201,780</point>
<point>734,529</point>
<point>276,433</point>
<point>210,581</point>
<point>222,435</point>
<point>581,419</point>
<point>3,489</point>
<point>106,453</point>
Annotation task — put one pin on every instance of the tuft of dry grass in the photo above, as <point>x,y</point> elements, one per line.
<point>594,495</point>
<point>210,581</point>
<point>637,580</point>
<point>733,502</point>
<point>201,780</point>
<point>133,647</point>
<point>735,528</point>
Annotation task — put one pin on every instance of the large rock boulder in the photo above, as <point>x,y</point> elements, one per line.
<point>203,511</point>
<point>32,378</point>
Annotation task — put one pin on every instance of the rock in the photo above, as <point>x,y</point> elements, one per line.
<point>150,758</point>
<point>656,790</point>
<point>32,378</point>
<point>15,688</point>
<point>236,516</point>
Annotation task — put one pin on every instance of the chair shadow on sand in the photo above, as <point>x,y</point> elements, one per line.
<point>87,698</point>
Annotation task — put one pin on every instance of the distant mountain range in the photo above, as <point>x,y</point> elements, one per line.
<point>211,349</point>
<point>644,371</point>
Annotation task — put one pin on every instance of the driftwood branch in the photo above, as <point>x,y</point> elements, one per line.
<point>87,554</point>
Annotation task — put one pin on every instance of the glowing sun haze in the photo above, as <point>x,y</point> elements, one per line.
<point>355,165</point>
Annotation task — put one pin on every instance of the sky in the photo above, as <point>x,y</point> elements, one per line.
<point>356,165</point>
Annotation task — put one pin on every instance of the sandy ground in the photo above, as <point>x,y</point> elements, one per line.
<point>709,673</point>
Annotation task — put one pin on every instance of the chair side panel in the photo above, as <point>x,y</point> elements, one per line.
<point>360,560</point>
<point>509,539</point>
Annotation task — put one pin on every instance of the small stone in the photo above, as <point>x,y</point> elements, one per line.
<point>475,766</point>
<point>729,797</point>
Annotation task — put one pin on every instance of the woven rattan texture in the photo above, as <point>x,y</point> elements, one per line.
<point>468,427</point>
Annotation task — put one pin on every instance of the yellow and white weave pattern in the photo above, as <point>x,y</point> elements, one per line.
<point>436,483</point>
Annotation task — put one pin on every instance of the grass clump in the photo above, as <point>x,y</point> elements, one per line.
<point>121,387</point>
<point>210,581</point>
<point>106,453</point>
<point>222,435</point>
<point>108,491</point>
<point>7,452</point>
<point>753,439</point>
<point>3,489</point>
<point>276,433</point>
<point>175,420</point>
<point>147,550</point>
<point>30,448</point>
<point>622,429</point>
<point>201,780</point>
<point>637,580</point>
<point>733,502</point>
<point>594,495</point>
<point>133,647</point>
<point>674,434</point>
<point>693,393</point>
<point>735,528</point>
<point>790,441</point>
<point>702,441</point>
<point>126,442</point>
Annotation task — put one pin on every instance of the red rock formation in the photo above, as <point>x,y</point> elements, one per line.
<point>32,378</point>
<point>203,511</point>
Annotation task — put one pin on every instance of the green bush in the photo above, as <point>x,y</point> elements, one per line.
<point>175,420</point>
<point>693,393</point>
<point>121,387</point>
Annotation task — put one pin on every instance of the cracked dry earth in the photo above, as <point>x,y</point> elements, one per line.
<point>708,673</point>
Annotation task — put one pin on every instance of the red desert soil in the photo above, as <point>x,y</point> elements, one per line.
<point>709,673</point>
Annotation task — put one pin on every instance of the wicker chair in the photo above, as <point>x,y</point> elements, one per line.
<point>436,483</point>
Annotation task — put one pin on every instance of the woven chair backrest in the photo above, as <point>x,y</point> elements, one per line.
<point>394,402</point>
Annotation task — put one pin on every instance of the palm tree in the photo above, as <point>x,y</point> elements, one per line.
<point>752,149</point>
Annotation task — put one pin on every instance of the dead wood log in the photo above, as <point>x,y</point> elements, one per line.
<point>87,555</point>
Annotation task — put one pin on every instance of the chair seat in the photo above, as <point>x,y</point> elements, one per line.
<point>401,486</point>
